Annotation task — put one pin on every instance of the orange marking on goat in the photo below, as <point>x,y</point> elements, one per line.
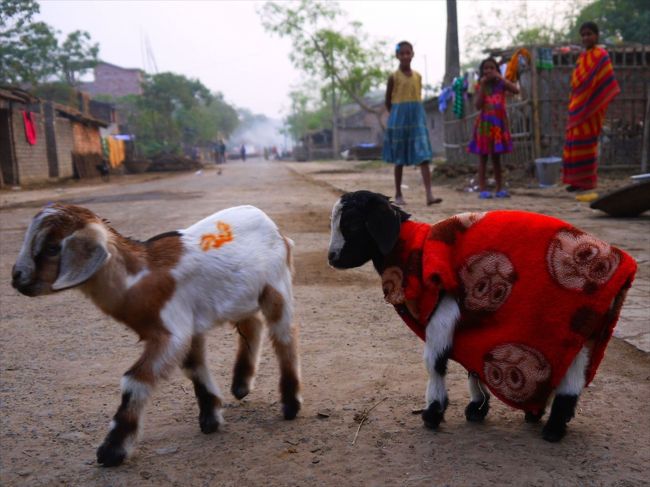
<point>216,240</point>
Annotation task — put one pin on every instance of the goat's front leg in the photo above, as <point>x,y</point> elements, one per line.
<point>439,340</point>
<point>158,358</point>
<point>206,390</point>
<point>250,339</point>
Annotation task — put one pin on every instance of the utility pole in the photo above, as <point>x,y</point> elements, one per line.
<point>452,57</point>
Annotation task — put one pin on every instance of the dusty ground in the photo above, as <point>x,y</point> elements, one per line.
<point>61,360</point>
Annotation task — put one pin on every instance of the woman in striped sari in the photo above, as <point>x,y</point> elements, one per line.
<point>593,87</point>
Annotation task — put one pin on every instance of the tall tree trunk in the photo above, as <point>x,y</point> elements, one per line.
<point>336,147</point>
<point>452,62</point>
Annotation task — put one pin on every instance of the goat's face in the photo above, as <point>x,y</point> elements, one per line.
<point>364,225</point>
<point>63,247</point>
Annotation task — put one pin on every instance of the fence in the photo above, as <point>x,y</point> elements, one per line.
<point>538,117</point>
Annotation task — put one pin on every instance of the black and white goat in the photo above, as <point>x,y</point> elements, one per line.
<point>365,226</point>
<point>171,290</point>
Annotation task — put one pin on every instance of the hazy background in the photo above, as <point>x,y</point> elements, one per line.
<point>223,44</point>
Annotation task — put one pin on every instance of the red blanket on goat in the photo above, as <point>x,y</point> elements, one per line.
<point>532,289</point>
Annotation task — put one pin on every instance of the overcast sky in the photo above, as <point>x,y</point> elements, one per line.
<point>223,44</point>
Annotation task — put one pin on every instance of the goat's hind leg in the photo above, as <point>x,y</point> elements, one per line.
<point>566,398</point>
<point>277,308</point>
<point>250,338</point>
<point>158,359</point>
<point>206,390</point>
<point>479,405</point>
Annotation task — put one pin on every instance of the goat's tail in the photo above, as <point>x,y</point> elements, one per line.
<point>288,243</point>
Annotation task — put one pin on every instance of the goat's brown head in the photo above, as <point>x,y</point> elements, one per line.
<point>64,246</point>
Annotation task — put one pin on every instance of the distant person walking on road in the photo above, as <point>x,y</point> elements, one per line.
<point>406,141</point>
<point>222,151</point>
<point>491,132</point>
<point>593,87</point>
<point>242,152</point>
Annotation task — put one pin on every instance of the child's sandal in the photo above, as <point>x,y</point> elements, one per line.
<point>485,195</point>
<point>502,194</point>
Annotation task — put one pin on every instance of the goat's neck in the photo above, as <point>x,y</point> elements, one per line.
<point>109,287</point>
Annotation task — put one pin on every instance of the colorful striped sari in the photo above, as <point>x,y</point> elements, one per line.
<point>593,87</point>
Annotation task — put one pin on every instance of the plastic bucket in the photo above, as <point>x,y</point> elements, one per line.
<point>548,171</point>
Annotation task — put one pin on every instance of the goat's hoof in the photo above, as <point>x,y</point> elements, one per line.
<point>209,423</point>
<point>554,432</point>
<point>533,418</point>
<point>476,411</point>
<point>434,414</point>
<point>290,409</point>
<point>110,455</point>
<point>240,391</point>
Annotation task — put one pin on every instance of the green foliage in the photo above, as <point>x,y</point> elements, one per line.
<point>306,114</point>
<point>338,56</point>
<point>30,51</point>
<point>618,20</point>
<point>174,112</point>
<point>59,92</point>
<point>76,55</point>
<point>519,26</point>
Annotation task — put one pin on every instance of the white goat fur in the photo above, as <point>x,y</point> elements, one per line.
<point>195,287</point>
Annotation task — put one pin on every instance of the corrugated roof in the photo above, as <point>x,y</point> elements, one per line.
<point>76,115</point>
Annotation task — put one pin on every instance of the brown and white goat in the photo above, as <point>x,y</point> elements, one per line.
<point>171,290</point>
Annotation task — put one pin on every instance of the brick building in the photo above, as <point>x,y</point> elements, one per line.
<point>54,141</point>
<point>114,81</point>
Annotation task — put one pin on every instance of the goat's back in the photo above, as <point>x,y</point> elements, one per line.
<point>228,259</point>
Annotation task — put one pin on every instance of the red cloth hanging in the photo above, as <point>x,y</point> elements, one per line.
<point>30,127</point>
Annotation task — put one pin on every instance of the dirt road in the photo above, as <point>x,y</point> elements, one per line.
<point>61,361</point>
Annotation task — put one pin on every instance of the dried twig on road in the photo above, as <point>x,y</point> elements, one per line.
<point>364,416</point>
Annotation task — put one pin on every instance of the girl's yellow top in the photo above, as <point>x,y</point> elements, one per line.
<point>406,88</point>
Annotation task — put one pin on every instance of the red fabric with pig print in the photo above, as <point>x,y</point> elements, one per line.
<point>532,289</point>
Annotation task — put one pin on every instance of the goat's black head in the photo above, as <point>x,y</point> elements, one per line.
<point>365,225</point>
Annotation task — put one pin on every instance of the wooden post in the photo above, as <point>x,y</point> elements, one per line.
<point>645,151</point>
<point>537,143</point>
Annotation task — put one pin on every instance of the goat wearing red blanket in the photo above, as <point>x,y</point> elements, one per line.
<point>525,302</point>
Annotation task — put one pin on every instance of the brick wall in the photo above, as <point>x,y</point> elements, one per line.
<point>64,146</point>
<point>31,159</point>
<point>115,81</point>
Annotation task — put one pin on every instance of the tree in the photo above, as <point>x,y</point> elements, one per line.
<point>618,20</point>
<point>76,56</point>
<point>25,46</point>
<point>306,114</point>
<point>518,26</point>
<point>343,59</point>
<point>452,58</point>
<point>175,111</point>
<point>30,51</point>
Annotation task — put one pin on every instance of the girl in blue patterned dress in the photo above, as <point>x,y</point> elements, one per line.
<point>406,141</point>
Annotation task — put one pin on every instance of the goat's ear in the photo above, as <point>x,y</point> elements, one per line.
<point>383,224</point>
<point>81,256</point>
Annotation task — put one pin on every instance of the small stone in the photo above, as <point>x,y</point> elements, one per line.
<point>167,450</point>
<point>315,460</point>
<point>145,475</point>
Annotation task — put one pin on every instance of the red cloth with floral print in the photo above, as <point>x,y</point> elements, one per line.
<point>532,289</point>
